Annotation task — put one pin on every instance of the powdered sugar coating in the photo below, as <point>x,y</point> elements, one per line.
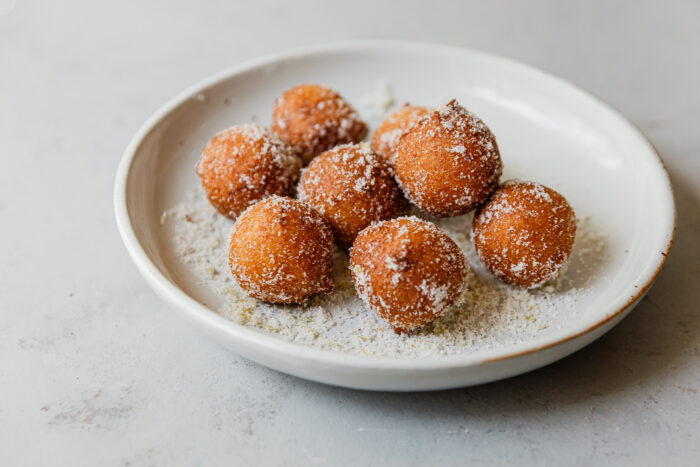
<point>524,233</point>
<point>448,162</point>
<point>395,125</point>
<point>245,164</point>
<point>352,187</point>
<point>313,118</point>
<point>407,271</point>
<point>281,251</point>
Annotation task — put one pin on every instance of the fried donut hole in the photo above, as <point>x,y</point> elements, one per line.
<point>351,187</point>
<point>407,271</point>
<point>386,137</point>
<point>524,233</point>
<point>244,164</point>
<point>281,251</point>
<point>448,162</point>
<point>313,119</point>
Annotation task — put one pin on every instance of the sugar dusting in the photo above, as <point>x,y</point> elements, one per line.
<point>488,315</point>
<point>375,103</point>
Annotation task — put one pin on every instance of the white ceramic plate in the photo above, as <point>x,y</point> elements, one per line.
<point>547,130</point>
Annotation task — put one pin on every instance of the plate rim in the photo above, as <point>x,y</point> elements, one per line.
<point>260,341</point>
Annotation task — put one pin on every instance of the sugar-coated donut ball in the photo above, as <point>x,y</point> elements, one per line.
<point>448,162</point>
<point>281,251</point>
<point>313,119</point>
<point>244,164</point>
<point>407,271</point>
<point>351,187</point>
<point>386,137</point>
<point>524,233</point>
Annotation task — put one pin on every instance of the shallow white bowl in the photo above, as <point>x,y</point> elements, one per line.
<point>548,130</point>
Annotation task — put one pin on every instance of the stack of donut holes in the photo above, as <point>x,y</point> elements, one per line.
<point>308,181</point>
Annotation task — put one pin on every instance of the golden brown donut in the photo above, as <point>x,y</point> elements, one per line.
<point>448,162</point>
<point>407,271</point>
<point>281,251</point>
<point>524,233</point>
<point>244,164</point>
<point>386,137</point>
<point>351,187</point>
<point>313,119</point>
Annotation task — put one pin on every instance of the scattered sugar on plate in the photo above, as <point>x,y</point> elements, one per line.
<point>489,315</point>
<point>375,103</point>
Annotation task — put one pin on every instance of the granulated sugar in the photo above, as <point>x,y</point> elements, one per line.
<point>375,103</point>
<point>488,315</point>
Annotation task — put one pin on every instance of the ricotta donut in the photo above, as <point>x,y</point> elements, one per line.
<point>312,119</point>
<point>386,137</point>
<point>245,164</point>
<point>281,251</point>
<point>448,162</point>
<point>524,233</point>
<point>407,271</point>
<point>351,187</point>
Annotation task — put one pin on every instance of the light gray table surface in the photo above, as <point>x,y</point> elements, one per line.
<point>96,370</point>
